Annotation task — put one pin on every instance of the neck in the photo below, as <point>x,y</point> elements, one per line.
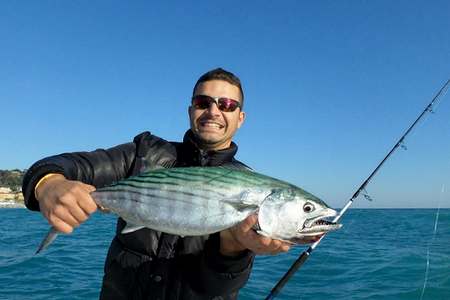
<point>212,147</point>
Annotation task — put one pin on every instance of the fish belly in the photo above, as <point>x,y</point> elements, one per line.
<point>180,210</point>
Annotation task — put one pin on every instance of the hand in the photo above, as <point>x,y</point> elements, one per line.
<point>241,237</point>
<point>65,203</point>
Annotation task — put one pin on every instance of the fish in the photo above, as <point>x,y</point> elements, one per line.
<point>194,201</point>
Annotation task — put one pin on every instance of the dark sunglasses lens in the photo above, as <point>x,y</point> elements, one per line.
<point>201,102</point>
<point>224,104</point>
<point>228,105</point>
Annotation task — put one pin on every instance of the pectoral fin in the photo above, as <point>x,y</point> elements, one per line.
<point>242,201</point>
<point>131,228</point>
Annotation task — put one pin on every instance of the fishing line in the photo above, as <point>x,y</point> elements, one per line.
<point>305,255</point>
<point>431,242</point>
<point>436,220</point>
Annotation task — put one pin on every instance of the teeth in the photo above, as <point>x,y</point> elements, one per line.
<point>322,222</point>
<point>319,225</point>
<point>210,124</point>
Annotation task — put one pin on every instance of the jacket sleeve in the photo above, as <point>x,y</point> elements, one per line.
<point>99,168</point>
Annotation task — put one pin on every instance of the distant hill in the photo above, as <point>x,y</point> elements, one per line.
<point>12,179</point>
<point>11,188</point>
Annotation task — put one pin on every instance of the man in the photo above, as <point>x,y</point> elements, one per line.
<point>147,264</point>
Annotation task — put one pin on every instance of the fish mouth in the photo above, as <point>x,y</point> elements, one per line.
<point>319,225</point>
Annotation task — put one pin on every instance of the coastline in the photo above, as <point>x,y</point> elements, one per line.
<point>11,204</point>
<point>12,200</point>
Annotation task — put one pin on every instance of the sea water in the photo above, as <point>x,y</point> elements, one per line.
<point>378,254</point>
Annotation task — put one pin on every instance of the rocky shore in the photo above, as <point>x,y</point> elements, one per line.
<point>11,204</point>
<point>10,199</point>
<point>10,188</point>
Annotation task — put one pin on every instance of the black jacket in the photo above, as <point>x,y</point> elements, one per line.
<point>148,264</point>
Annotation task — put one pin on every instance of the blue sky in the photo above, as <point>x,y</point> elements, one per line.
<point>330,85</point>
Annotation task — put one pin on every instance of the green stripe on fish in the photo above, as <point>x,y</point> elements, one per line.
<point>203,200</point>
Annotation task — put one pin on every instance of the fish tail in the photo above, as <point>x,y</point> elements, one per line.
<point>49,238</point>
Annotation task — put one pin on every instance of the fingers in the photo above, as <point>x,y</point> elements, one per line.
<point>60,225</point>
<point>279,247</point>
<point>78,214</point>
<point>265,245</point>
<point>248,223</point>
<point>249,239</point>
<point>85,201</point>
<point>66,204</point>
<point>87,187</point>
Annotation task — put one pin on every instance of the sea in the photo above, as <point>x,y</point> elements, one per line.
<point>378,254</point>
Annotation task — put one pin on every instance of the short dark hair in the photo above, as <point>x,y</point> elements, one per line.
<point>221,74</point>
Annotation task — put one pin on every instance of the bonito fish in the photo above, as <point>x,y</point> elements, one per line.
<point>203,200</point>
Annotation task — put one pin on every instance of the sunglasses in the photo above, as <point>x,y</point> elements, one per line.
<point>224,104</point>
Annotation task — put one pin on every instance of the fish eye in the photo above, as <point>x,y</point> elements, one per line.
<point>308,207</point>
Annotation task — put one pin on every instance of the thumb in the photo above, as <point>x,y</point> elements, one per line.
<point>248,223</point>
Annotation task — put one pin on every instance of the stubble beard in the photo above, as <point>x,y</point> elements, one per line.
<point>211,142</point>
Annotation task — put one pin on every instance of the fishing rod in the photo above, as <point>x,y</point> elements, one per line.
<point>305,255</point>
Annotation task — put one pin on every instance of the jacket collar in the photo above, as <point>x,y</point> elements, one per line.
<point>195,156</point>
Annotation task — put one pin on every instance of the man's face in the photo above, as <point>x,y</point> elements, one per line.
<point>214,128</point>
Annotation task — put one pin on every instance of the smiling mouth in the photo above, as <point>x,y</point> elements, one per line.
<point>210,124</point>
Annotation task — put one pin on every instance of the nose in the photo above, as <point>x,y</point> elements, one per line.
<point>213,109</point>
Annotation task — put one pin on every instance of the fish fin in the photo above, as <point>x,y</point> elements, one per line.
<point>131,228</point>
<point>49,238</point>
<point>242,202</point>
<point>242,206</point>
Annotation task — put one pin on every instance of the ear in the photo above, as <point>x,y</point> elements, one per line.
<point>189,111</point>
<point>241,119</point>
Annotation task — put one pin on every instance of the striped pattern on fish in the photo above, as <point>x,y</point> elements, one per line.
<point>203,200</point>
<point>190,201</point>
